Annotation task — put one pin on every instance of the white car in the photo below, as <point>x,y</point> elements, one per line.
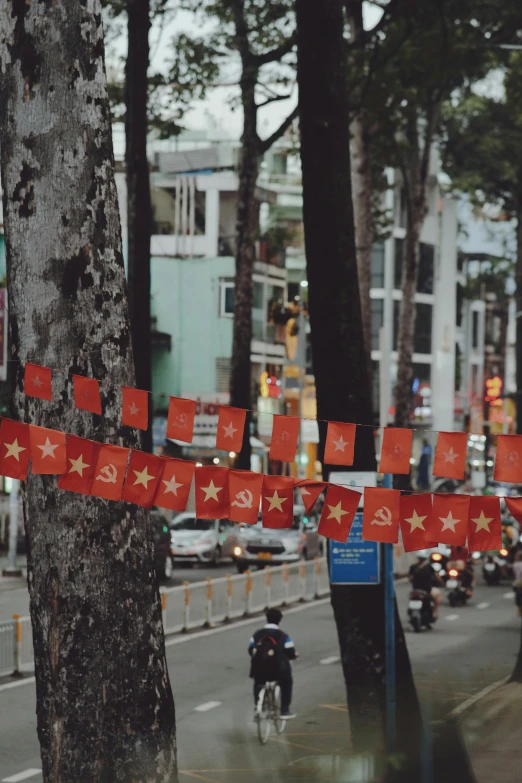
<point>196,540</point>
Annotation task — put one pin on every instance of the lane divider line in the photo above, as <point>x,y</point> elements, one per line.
<point>331,659</point>
<point>483,605</point>
<point>451,617</point>
<point>208,705</point>
<point>25,775</point>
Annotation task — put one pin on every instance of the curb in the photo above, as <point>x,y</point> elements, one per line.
<point>460,709</point>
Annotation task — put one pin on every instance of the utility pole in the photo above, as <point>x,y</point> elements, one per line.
<point>11,569</point>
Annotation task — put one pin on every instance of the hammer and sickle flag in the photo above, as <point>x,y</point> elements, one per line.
<point>244,488</point>
<point>381,515</point>
<point>82,455</point>
<point>109,473</point>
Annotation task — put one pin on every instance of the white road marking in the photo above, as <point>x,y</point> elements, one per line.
<point>25,775</point>
<point>331,659</point>
<point>452,617</point>
<point>483,606</point>
<point>208,705</point>
<point>16,684</point>
<point>509,595</point>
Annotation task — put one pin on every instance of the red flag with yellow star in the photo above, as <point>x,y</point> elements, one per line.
<point>340,507</point>
<point>416,519</point>
<point>48,450</point>
<point>174,486</point>
<point>81,463</point>
<point>143,476</point>
<point>484,527</point>
<point>38,382</point>
<point>109,473</point>
<point>212,493</point>
<point>277,504</point>
<point>450,455</point>
<point>135,408</point>
<point>231,423</point>
<point>450,514</point>
<point>340,443</point>
<point>15,450</point>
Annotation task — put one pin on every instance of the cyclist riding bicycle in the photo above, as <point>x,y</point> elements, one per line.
<point>271,651</point>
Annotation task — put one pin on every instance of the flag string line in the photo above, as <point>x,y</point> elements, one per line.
<point>165,395</point>
<point>298,483</point>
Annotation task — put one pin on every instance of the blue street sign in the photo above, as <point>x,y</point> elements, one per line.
<point>357,561</point>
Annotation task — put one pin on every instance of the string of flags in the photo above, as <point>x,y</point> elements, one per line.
<point>450,453</point>
<point>116,473</point>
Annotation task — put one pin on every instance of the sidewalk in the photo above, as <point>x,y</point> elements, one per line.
<point>13,582</point>
<point>492,729</point>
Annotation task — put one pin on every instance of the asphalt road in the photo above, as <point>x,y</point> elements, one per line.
<point>470,648</point>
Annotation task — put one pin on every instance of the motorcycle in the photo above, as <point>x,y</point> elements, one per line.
<point>439,563</point>
<point>457,594</point>
<point>491,571</point>
<point>420,610</point>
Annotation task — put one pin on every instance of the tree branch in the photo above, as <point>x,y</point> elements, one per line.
<point>274,55</point>
<point>273,99</point>
<point>265,145</point>
<point>243,44</point>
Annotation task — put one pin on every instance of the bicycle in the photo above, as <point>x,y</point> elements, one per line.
<point>268,712</point>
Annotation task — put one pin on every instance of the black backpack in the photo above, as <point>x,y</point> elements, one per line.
<point>266,659</point>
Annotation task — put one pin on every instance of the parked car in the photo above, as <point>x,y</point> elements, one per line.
<point>162,554</point>
<point>196,540</point>
<point>258,546</point>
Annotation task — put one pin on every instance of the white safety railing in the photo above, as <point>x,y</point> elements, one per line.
<point>213,601</point>
<point>7,648</point>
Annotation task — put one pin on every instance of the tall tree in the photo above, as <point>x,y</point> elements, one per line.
<point>139,208</point>
<point>339,353</point>
<point>260,35</point>
<point>104,704</point>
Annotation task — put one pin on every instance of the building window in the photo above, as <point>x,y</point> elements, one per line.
<point>422,336</point>
<point>222,375</point>
<point>377,309</point>
<point>399,254</point>
<point>378,265</point>
<point>226,298</point>
<point>426,269</point>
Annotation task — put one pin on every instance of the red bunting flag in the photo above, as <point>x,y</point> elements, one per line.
<point>514,506</point>
<point>381,515</point>
<point>417,522</point>
<point>81,463</point>
<point>174,486</point>
<point>508,462</point>
<point>340,507</point>
<point>484,529</point>
<point>48,450</point>
<point>450,455</point>
<point>340,443</point>
<point>15,450</point>
<point>310,491</point>
<point>87,394</point>
<point>109,473</point>
<point>278,502</point>
<point>212,493</point>
<point>180,420</point>
<point>135,408</point>
<point>285,434</point>
<point>396,451</point>
<point>244,488</point>
<point>450,514</point>
<point>38,382</point>
<point>231,424</point>
<point>143,476</point>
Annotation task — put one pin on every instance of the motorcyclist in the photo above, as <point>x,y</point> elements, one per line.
<point>423,576</point>
<point>458,557</point>
<point>467,578</point>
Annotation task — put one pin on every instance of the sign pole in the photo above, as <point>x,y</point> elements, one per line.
<point>389,619</point>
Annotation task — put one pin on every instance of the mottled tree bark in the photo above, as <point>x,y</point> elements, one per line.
<point>518,296</point>
<point>340,367</point>
<point>139,209</point>
<point>104,704</point>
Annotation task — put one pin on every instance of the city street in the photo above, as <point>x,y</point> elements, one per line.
<point>470,648</point>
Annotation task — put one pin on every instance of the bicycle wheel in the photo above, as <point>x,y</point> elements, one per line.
<point>263,716</point>
<point>279,722</point>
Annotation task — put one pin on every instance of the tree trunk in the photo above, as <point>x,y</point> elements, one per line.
<point>247,217</point>
<point>104,704</point>
<point>363,215</point>
<point>139,209</point>
<point>518,295</point>
<point>342,383</point>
